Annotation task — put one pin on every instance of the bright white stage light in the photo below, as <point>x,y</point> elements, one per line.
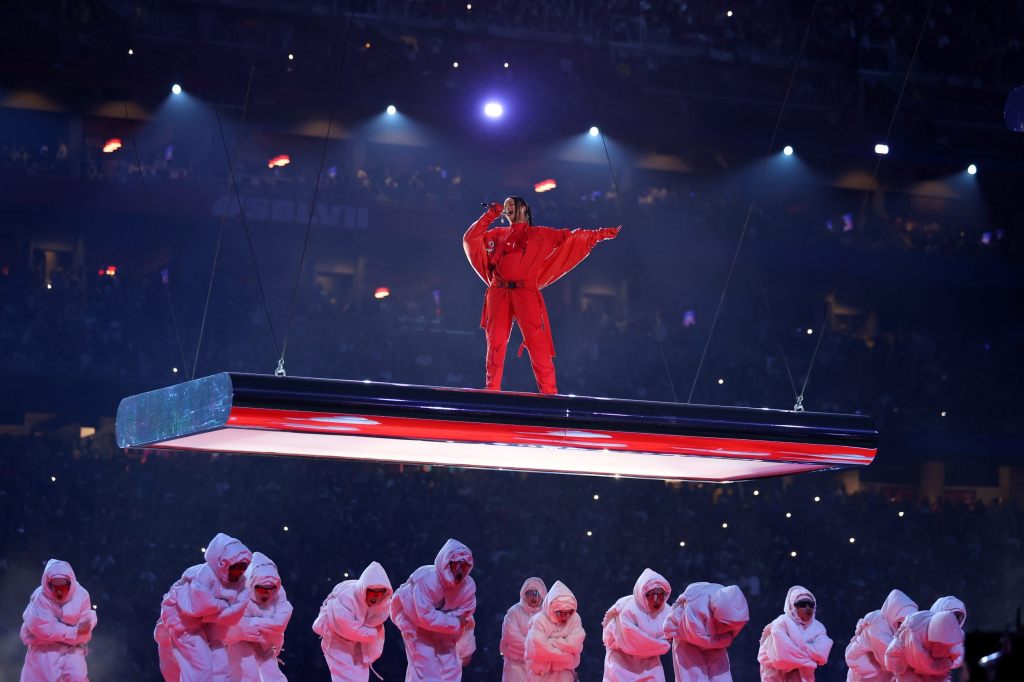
<point>590,533</point>
<point>882,149</point>
<point>789,515</point>
<point>817,499</point>
<point>725,525</point>
<point>493,110</point>
<point>757,492</point>
<point>792,554</point>
<point>682,544</point>
<point>809,331</point>
<point>972,169</point>
<point>285,529</point>
<point>597,497</point>
<point>455,65</point>
<point>788,150</point>
<point>392,110</point>
<point>853,540</point>
<point>506,65</point>
<point>176,89</point>
<point>131,51</point>
<point>594,132</point>
<point>290,56</point>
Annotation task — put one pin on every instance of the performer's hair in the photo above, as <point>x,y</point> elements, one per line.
<point>521,202</point>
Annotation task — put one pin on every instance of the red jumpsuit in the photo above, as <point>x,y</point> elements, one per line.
<point>516,263</point>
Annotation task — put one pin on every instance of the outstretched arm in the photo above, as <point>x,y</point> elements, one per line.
<point>591,236</point>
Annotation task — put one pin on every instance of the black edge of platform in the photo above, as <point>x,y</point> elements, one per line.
<point>404,400</point>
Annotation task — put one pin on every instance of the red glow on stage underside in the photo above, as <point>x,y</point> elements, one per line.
<point>512,446</point>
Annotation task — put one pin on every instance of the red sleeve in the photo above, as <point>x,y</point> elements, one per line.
<point>474,241</point>
<point>567,249</point>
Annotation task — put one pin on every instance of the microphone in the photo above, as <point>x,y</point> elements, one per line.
<point>485,204</point>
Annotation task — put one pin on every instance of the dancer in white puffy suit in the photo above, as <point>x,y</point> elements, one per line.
<point>865,654</point>
<point>255,642</point>
<point>434,611</point>
<point>554,641</point>
<point>197,611</point>
<point>702,624</point>
<point>925,648</point>
<point>515,627</point>
<point>794,644</point>
<point>351,624</point>
<point>634,632</point>
<point>958,609</point>
<point>58,623</point>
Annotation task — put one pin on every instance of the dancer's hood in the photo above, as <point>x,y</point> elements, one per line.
<point>559,598</point>
<point>223,552</point>
<point>648,581</point>
<point>896,608</point>
<point>729,606</point>
<point>55,568</point>
<point>453,550</point>
<point>533,584</point>
<point>792,597</point>
<point>953,604</point>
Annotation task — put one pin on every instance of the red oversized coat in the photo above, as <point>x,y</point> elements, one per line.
<point>550,253</point>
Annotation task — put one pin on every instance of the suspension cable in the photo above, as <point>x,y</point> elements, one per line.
<point>753,200</point>
<point>863,207</point>
<point>156,237</point>
<point>280,369</point>
<point>223,215</point>
<point>622,210</point>
<point>248,234</point>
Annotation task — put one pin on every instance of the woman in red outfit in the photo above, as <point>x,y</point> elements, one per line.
<point>515,263</point>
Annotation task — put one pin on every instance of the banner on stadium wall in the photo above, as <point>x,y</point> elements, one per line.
<point>281,210</point>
